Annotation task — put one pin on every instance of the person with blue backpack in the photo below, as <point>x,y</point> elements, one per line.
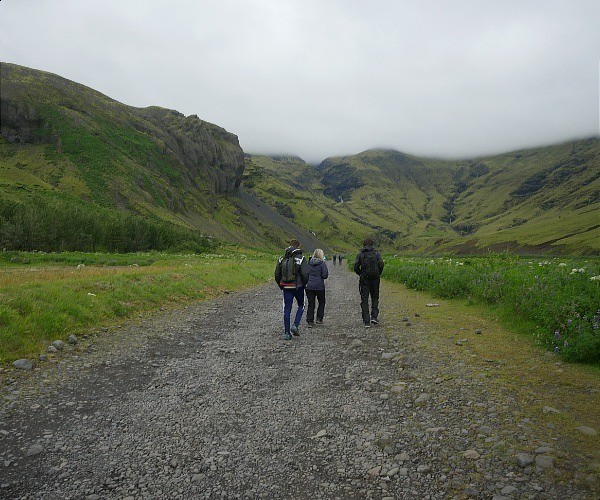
<point>291,275</point>
<point>369,266</point>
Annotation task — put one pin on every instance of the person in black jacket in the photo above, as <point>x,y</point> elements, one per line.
<point>369,266</point>
<point>291,275</point>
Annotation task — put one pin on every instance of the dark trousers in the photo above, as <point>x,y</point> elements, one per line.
<point>289,295</point>
<point>313,296</point>
<point>369,288</point>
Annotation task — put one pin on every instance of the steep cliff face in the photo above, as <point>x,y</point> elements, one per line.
<point>19,121</point>
<point>201,146</point>
<point>42,108</point>
<point>339,179</point>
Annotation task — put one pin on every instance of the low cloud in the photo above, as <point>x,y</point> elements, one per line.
<point>318,78</point>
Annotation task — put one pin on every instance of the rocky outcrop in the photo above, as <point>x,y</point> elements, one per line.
<point>37,107</point>
<point>202,147</point>
<point>20,122</point>
<point>339,179</point>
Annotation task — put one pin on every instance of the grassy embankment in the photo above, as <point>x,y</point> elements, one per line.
<point>556,301</point>
<point>44,297</point>
<point>493,315</point>
<point>547,400</point>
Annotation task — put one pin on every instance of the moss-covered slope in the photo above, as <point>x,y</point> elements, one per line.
<point>542,200</point>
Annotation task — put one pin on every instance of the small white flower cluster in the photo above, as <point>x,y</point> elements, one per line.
<point>575,271</point>
<point>562,264</point>
<point>595,278</point>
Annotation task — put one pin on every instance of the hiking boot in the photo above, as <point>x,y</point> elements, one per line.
<point>294,330</point>
<point>310,324</point>
<point>367,325</point>
<point>375,321</point>
<point>287,336</point>
<point>319,321</point>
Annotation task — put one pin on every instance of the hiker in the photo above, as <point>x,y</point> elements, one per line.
<point>333,258</point>
<point>315,288</point>
<point>291,275</point>
<point>340,259</point>
<point>369,266</point>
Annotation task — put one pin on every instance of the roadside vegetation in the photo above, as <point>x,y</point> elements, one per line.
<point>55,225</point>
<point>47,296</point>
<point>557,301</point>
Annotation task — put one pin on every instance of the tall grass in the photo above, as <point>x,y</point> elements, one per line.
<point>40,303</point>
<point>558,298</point>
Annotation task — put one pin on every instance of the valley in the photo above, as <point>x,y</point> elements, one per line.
<point>68,150</point>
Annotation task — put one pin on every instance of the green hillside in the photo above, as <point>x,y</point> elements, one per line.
<point>78,168</point>
<point>294,189</point>
<point>81,171</point>
<point>542,200</point>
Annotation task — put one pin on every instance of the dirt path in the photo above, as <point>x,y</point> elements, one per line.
<point>209,402</point>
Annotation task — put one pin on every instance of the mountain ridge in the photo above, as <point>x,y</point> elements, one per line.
<point>63,141</point>
<point>468,206</point>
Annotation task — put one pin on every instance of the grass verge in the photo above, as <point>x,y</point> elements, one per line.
<point>556,299</point>
<point>44,299</point>
<point>513,367</point>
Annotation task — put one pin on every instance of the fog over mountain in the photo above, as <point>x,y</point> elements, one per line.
<point>318,78</point>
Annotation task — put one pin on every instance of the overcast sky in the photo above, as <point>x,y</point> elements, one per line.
<point>319,78</point>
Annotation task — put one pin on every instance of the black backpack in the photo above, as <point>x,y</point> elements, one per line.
<point>370,265</point>
<point>289,269</point>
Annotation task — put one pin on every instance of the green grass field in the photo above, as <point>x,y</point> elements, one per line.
<point>44,297</point>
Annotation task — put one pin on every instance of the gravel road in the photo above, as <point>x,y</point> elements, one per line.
<point>210,402</point>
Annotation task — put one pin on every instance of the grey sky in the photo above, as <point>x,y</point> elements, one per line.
<point>324,77</point>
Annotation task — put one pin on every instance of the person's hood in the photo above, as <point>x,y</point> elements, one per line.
<point>314,261</point>
<point>367,249</point>
<point>293,251</point>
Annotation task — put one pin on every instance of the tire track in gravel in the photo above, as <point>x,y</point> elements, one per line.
<point>210,402</point>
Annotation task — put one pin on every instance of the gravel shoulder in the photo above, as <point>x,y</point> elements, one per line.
<point>210,402</point>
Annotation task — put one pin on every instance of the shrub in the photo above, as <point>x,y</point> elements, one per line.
<point>560,297</point>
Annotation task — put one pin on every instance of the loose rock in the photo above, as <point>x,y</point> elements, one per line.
<point>59,345</point>
<point>35,449</point>
<point>524,460</point>
<point>23,364</point>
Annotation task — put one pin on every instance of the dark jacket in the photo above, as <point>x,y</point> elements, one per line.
<point>317,273</point>
<point>301,266</point>
<point>359,262</point>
